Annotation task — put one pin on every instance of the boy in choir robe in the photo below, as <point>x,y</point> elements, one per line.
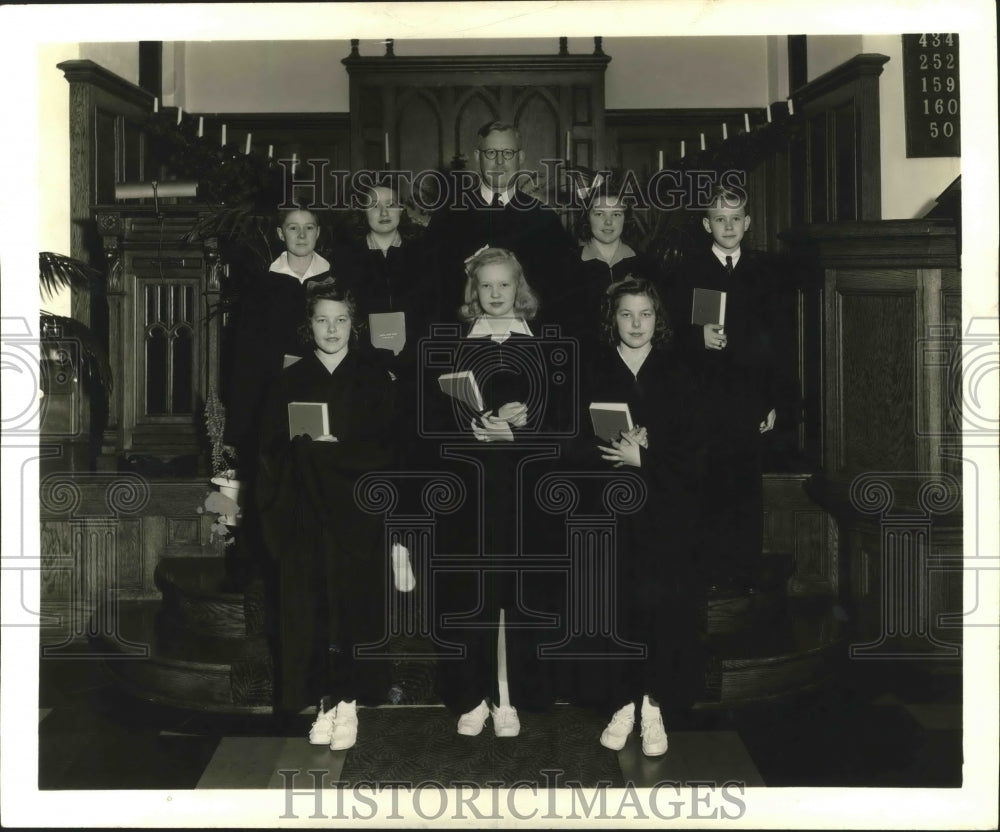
<point>495,213</point>
<point>733,366</point>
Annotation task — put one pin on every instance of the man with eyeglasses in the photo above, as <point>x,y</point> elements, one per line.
<point>497,213</point>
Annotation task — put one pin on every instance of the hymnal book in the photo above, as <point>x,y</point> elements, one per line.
<point>708,306</point>
<point>289,360</point>
<point>308,419</point>
<point>462,386</point>
<point>610,419</point>
<point>388,331</point>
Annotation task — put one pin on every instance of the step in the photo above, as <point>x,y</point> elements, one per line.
<point>189,670</point>
<point>199,595</point>
<point>797,651</point>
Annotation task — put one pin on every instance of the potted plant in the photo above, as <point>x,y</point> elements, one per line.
<point>225,501</point>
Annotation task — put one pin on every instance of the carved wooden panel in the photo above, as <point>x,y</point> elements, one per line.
<point>183,531</point>
<point>795,525</point>
<point>418,114</point>
<point>876,333</point>
<point>839,170</point>
<point>546,96</point>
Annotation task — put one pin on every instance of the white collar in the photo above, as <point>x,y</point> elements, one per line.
<point>487,194</point>
<point>397,241</point>
<point>722,255</point>
<point>318,265</point>
<point>591,252</point>
<point>481,328</point>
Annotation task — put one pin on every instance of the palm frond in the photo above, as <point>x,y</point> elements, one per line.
<point>241,226</point>
<point>93,357</point>
<point>57,272</point>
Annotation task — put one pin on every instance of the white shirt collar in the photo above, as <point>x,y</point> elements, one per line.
<point>722,255</point>
<point>318,265</point>
<point>481,328</point>
<point>487,194</point>
<point>591,252</point>
<point>397,241</point>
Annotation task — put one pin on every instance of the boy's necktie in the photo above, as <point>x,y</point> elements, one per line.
<point>496,200</point>
<point>729,266</point>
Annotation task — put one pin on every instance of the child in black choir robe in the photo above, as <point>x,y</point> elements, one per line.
<point>655,571</point>
<point>331,559</point>
<point>508,362</point>
<point>604,258</point>
<point>394,278</point>
<point>734,368</point>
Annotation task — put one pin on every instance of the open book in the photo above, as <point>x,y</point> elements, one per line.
<point>308,419</point>
<point>708,306</point>
<point>462,386</point>
<point>610,419</point>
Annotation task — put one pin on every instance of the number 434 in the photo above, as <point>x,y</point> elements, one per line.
<point>936,40</point>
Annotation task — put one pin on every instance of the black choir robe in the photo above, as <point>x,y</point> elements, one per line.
<point>736,387</point>
<point>657,596</point>
<point>331,555</point>
<point>580,306</point>
<point>492,522</point>
<point>398,281</point>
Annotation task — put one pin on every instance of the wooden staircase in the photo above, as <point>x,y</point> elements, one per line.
<point>209,647</point>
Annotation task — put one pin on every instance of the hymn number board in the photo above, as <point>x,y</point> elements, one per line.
<point>930,94</point>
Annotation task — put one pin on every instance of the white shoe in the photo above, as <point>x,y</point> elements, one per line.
<point>345,726</point>
<point>471,724</point>
<point>616,734</point>
<point>654,735</point>
<point>505,721</point>
<point>321,731</point>
<point>402,570</point>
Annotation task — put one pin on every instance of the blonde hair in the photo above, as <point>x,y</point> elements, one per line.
<point>525,300</point>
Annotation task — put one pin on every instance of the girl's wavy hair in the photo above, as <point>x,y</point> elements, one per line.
<point>663,334</point>
<point>525,300</point>
<point>329,289</point>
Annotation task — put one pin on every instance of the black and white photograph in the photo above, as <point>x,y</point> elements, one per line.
<point>463,415</point>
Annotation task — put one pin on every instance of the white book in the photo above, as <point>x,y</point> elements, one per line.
<point>462,386</point>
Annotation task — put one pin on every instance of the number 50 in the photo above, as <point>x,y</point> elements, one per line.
<point>947,130</point>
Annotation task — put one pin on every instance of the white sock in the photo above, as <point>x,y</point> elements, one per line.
<point>503,686</point>
<point>402,571</point>
<point>648,708</point>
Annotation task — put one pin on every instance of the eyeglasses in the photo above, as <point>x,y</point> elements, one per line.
<point>507,154</point>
